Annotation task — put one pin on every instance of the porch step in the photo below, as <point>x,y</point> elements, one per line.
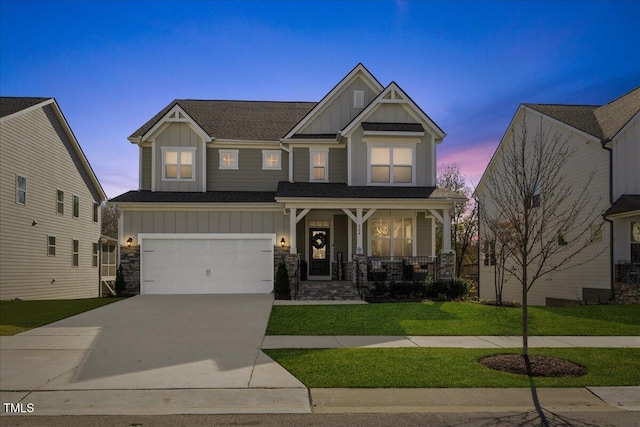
<point>326,290</point>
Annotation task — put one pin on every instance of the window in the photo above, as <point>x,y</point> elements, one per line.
<point>94,257</point>
<point>228,159</point>
<point>596,233</point>
<point>60,203</point>
<point>318,161</point>
<point>635,242</point>
<point>76,206</point>
<point>358,99</point>
<point>533,196</point>
<point>51,245</point>
<point>562,239</point>
<point>95,212</point>
<point>271,159</point>
<point>178,164</point>
<point>21,190</point>
<point>391,236</point>
<point>75,255</point>
<point>391,165</point>
<point>489,252</point>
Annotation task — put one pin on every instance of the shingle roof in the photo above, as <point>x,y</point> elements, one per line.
<point>195,197</point>
<point>625,203</point>
<point>238,120</point>
<point>343,191</point>
<point>393,127</point>
<point>603,122</point>
<point>10,104</point>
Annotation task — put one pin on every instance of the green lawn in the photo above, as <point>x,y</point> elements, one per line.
<point>451,318</point>
<point>20,316</point>
<point>448,367</point>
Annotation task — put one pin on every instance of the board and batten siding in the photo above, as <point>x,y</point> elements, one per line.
<point>249,176</point>
<point>626,160</point>
<point>337,165</point>
<point>146,168</point>
<point>424,235</point>
<point>202,221</point>
<point>593,268</point>
<point>340,111</point>
<point>35,145</point>
<point>178,135</point>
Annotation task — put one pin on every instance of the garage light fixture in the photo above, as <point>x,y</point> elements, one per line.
<point>129,241</point>
<point>282,242</point>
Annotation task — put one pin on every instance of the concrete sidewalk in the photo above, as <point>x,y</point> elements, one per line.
<point>352,341</point>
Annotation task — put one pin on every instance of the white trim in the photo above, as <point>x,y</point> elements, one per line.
<point>324,151</point>
<point>175,115</point>
<point>221,165</point>
<point>206,236</point>
<point>203,159</point>
<point>73,196</point>
<point>390,146</point>
<point>266,153</point>
<point>26,187</point>
<point>58,202</point>
<point>398,214</point>
<point>349,162</point>
<point>153,165</point>
<point>54,246</point>
<point>391,133</point>
<point>140,167</point>
<point>178,151</point>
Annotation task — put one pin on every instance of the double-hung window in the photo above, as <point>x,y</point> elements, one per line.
<point>94,255</point>
<point>51,245</point>
<point>75,255</point>
<point>489,252</point>
<point>391,165</point>
<point>271,159</point>
<point>319,162</point>
<point>96,208</point>
<point>60,202</point>
<point>178,164</point>
<point>21,190</point>
<point>76,207</point>
<point>228,159</point>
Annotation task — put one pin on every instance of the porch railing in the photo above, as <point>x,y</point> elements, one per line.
<point>627,272</point>
<point>401,269</point>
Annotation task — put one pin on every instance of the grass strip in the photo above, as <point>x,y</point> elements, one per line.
<point>452,318</point>
<point>448,367</point>
<point>19,316</point>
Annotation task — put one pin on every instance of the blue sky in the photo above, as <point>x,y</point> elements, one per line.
<point>112,65</point>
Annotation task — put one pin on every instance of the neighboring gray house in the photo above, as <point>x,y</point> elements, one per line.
<point>224,184</point>
<point>607,141</point>
<point>49,205</point>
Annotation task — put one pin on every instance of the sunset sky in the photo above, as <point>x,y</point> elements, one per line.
<point>112,65</point>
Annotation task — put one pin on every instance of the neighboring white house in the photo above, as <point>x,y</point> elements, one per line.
<point>606,140</point>
<point>49,205</point>
<point>224,182</point>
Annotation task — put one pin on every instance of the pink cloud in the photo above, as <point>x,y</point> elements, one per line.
<point>471,160</point>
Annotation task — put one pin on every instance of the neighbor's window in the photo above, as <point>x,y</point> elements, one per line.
<point>21,190</point>
<point>228,159</point>
<point>271,159</point>
<point>76,207</point>
<point>635,242</point>
<point>319,163</point>
<point>60,203</point>
<point>94,257</point>
<point>391,165</point>
<point>533,195</point>
<point>562,239</point>
<point>75,253</point>
<point>489,252</point>
<point>596,233</point>
<point>178,164</point>
<point>96,208</point>
<point>51,245</point>
<point>391,236</point>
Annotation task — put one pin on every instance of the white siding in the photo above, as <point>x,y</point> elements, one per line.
<point>34,145</point>
<point>626,160</point>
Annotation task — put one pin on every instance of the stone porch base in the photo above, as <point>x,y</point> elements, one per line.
<point>330,290</point>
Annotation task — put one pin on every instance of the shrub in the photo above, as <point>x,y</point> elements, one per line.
<point>282,289</point>
<point>447,289</point>
<point>120,284</point>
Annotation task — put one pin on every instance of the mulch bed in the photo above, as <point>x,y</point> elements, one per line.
<point>541,366</point>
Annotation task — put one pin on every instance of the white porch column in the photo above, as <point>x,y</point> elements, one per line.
<point>359,245</point>
<point>292,231</point>
<point>446,231</point>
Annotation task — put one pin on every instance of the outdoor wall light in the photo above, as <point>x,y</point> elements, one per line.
<point>129,241</point>
<point>282,242</point>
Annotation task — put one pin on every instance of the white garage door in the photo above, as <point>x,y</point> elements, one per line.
<point>210,264</point>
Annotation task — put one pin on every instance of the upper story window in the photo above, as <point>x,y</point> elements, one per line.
<point>21,190</point>
<point>489,252</point>
<point>319,165</point>
<point>76,207</point>
<point>178,164</point>
<point>60,202</point>
<point>51,245</point>
<point>271,159</point>
<point>228,159</point>
<point>94,255</point>
<point>358,99</point>
<point>533,197</point>
<point>389,165</point>
<point>96,209</point>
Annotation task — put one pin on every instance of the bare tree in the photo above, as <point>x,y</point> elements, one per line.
<point>538,219</point>
<point>464,227</point>
<point>110,215</point>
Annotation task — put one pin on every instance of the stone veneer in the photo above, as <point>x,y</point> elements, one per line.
<point>130,261</point>
<point>446,266</point>
<point>281,253</point>
<point>626,293</point>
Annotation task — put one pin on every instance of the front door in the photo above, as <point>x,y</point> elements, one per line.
<point>319,256</point>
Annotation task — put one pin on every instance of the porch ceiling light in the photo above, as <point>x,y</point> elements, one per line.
<point>129,241</point>
<point>282,242</point>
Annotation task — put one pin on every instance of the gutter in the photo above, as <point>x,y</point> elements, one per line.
<point>612,271</point>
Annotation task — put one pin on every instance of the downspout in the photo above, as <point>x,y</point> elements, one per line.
<point>290,151</point>
<point>611,265</point>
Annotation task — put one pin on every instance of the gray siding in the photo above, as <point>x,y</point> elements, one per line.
<point>203,222</point>
<point>35,146</point>
<point>249,176</point>
<point>301,165</point>
<point>146,168</point>
<point>338,165</point>
<point>178,135</point>
<point>340,236</point>
<point>340,111</point>
<point>424,235</point>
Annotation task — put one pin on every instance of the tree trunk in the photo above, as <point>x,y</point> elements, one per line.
<point>525,322</point>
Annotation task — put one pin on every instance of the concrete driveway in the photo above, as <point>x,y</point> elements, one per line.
<point>148,342</point>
